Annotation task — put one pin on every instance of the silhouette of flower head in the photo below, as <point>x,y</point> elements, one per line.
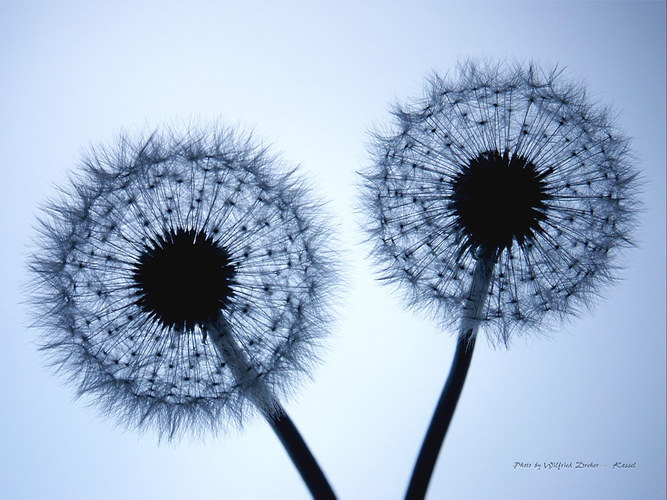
<point>512,168</point>
<point>161,248</point>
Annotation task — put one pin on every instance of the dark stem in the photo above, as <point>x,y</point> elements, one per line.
<point>303,459</point>
<point>444,411</point>
<point>442,417</point>
<point>263,398</point>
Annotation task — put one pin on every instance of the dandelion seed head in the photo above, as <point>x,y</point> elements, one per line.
<point>156,239</point>
<point>511,165</point>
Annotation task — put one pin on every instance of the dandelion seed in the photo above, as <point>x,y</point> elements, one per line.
<point>182,280</point>
<point>500,200</point>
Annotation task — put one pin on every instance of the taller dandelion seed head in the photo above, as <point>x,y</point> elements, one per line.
<point>156,239</point>
<point>514,166</point>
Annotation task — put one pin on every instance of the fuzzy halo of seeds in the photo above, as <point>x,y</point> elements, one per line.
<point>510,164</point>
<point>160,235</point>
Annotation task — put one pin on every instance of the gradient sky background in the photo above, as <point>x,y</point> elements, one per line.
<point>312,78</point>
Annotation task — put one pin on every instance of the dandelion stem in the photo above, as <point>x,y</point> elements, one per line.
<point>444,411</point>
<point>303,459</point>
<point>264,399</point>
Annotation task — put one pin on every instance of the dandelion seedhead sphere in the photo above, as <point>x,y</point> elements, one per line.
<point>162,246</point>
<point>511,167</point>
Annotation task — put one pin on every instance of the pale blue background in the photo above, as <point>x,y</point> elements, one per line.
<point>312,78</point>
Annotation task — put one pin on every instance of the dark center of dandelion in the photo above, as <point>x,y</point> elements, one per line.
<point>183,279</point>
<point>498,200</point>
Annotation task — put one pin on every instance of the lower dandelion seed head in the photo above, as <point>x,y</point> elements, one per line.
<point>510,165</point>
<point>161,244</point>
